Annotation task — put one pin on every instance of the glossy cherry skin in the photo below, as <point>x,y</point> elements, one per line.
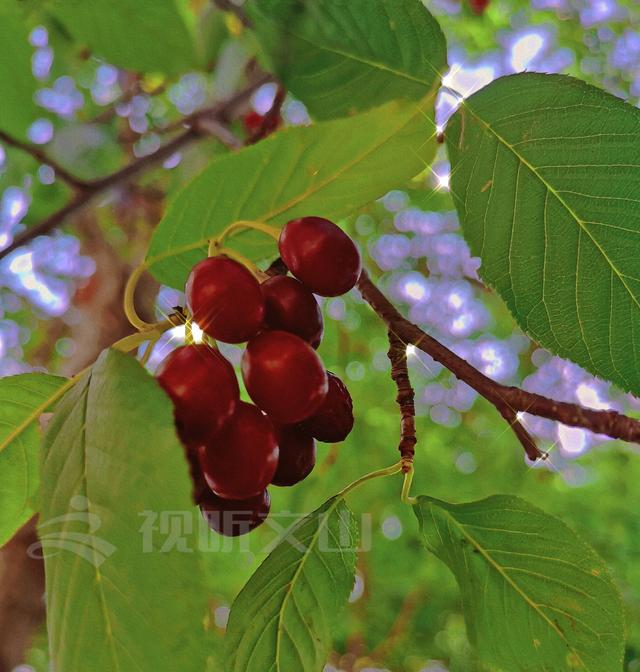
<point>321,255</point>
<point>225,300</point>
<point>333,421</point>
<point>284,376</point>
<point>290,306</point>
<point>203,387</point>
<point>297,455</point>
<point>240,460</point>
<point>233,517</point>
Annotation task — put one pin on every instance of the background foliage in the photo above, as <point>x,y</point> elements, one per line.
<point>105,89</point>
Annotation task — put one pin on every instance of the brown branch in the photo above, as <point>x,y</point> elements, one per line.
<point>237,10</point>
<point>40,155</point>
<point>400,374</point>
<point>203,123</point>
<point>509,401</point>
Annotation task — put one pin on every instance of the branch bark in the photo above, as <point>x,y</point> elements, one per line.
<point>509,401</point>
<point>400,374</point>
<point>203,123</point>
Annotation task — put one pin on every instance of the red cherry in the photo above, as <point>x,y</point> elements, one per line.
<point>321,255</point>
<point>290,306</point>
<point>297,455</point>
<point>252,121</point>
<point>241,459</point>
<point>478,6</point>
<point>284,376</point>
<point>333,421</point>
<point>233,517</point>
<point>203,387</point>
<point>225,299</point>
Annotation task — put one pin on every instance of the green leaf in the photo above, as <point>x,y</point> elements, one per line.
<point>535,596</point>
<point>283,618</point>
<point>329,169</point>
<point>545,174</point>
<point>343,57</point>
<point>140,35</point>
<point>17,83</point>
<point>115,599</point>
<point>23,399</point>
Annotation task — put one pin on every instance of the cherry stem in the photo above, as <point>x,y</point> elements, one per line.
<point>406,485</point>
<point>215,245</point>
<point>388,471</point>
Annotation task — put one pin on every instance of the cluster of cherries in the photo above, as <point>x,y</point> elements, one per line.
<point>241,448</point>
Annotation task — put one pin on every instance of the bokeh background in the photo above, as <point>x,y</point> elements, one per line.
<point>60,304</point>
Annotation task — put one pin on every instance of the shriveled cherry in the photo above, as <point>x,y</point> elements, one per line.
<point>321,255</point>
<point>225,300</point>
<point>203,387</point>
<point>297,455</point>
<point>284,376</point>
<point>240,460</point>
<point>233,517</point>
<point>290,306</point>
<point>333,421</point>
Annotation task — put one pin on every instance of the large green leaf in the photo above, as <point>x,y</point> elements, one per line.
<point>17,84</point>
<point>283,618</point>
<point>546,177</point>
<point>23,399</point>
<point>141,35</point>
<point>329,169</point>
<point>115,599</point>
<point>342,57</point>
<point>535,596</point>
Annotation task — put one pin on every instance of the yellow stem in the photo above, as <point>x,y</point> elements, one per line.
<point>244,224</point>
<point>129,300</point>
<point>241,259</point>
<point>388,471</point>
<point>406,486</point>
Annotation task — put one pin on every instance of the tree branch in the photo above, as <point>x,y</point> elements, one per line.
<point>40,155</point>
<point>400,374</point>
<point>203,123</point>
<point>509,401</point>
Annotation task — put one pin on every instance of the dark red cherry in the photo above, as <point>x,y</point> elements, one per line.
<point>297,455</point>
<point>240,460</point>
<point>225,300</point>
<point>233,517</point>
<point>203,387</point>
<point>478,6</point>
<point>284,376</point>
<point>321,255</point>
<point>333,421</point>
<point>290,306</point>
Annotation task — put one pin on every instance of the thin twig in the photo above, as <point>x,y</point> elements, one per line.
<point>204,123</point>
<point>509,401</point>
<point>40,155</point>
<point>400,374</point>
<point>236,10</point>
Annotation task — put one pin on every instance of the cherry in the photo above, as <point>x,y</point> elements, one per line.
<point>203,387</point>
<point>478,6</point>
<point>225,299</point>
<point>290,306</point>
<point>321,255</point>
<point>240,460</point>
<point>333,421</point>
<point>284,376</point>
<point>297,455</point>
<point>234,518</point>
